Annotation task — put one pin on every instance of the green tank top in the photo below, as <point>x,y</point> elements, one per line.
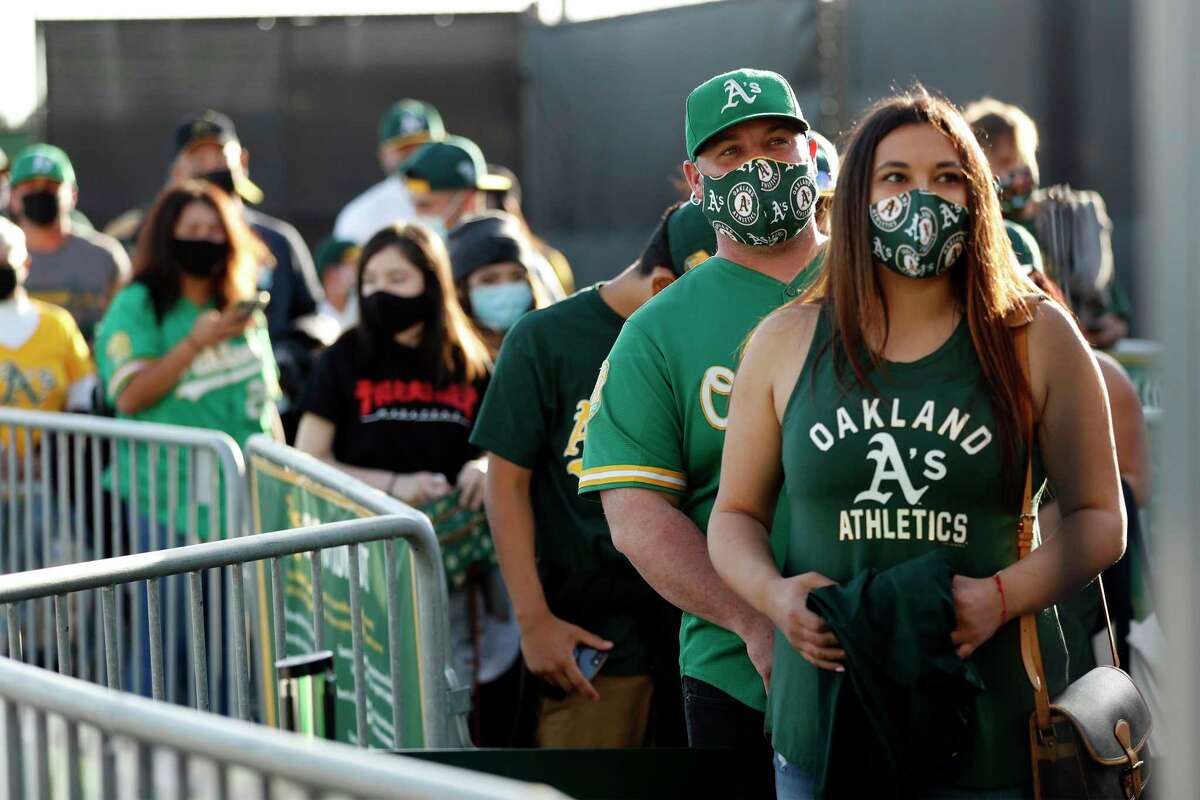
<point>875,479</point>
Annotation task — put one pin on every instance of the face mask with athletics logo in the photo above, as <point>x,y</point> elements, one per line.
<point>918,234</point>
<point>761,203</point>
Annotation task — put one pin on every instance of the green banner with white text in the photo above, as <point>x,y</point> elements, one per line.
<point>283,500</point>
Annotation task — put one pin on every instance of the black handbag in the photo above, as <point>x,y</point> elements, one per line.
<point>1089,743</point>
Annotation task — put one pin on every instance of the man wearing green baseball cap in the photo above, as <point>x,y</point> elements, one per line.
<point>70,266</point>
<point>337,267</point>
<point>447,181</point>
<point>658,413</point>
<point>406,126</point>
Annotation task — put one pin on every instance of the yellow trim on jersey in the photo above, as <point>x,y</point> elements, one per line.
<point>117,382</point>
<point>632,473</point>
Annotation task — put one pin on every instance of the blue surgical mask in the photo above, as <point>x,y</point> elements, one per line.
<point>434,224</point>
<point>499,307</point>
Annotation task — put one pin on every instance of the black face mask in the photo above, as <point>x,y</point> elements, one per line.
<point>40,208</point>
<point>387,314</point>
<point>200,257</point>
<point>8,281</point>
<point>222,179</point>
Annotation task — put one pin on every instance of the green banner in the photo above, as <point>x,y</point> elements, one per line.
<point>282,500</point>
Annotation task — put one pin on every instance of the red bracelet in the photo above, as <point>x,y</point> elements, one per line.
<point>1003,600</point>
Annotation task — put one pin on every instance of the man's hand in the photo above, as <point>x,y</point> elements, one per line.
<point>805,631</point>
<point>548,644</point>
<point>759,636</point>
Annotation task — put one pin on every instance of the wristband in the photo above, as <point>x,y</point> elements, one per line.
<point>1003,599</point>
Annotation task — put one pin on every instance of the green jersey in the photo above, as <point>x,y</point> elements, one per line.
<point>658,417</point>
<point>229,387</point>
<point>535,414</point>
<point>874,479</point>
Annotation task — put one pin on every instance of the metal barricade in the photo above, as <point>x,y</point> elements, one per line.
<point>113,745</point>
<point>75,487</point>
<point>145,570</point>
<point>408,597</point>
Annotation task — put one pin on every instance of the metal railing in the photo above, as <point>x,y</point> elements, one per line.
<point>119,745</point>
<point>107,575</point>
<point>289,487</point>
<point>75,487</point>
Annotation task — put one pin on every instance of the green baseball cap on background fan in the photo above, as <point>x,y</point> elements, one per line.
<point>828,164</point>
<point>410,122</point>
<point>732,97</point>
<point>449,165</point>
<point>42,161</point>
<point>331,252</point>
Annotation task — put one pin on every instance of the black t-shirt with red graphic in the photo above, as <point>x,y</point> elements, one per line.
<point>387,412</point>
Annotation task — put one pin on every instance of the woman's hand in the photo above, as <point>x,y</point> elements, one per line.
<point>805,631</point>
<point>978,606</point>
<point>471,481</point>
<point>418,488</point>
<point>213,327</point>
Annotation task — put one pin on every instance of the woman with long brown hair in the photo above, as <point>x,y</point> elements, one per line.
<point>186,343</point>
<point>891,406</point>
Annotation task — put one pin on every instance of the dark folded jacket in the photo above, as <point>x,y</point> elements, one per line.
<point>901,711</point>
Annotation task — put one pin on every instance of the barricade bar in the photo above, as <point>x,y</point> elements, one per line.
<point>312,765</point>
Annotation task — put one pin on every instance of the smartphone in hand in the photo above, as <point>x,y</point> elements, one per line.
<point>244,308</point>
<point>590,660</point>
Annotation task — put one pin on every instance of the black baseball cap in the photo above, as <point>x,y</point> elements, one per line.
<point>207,126</point>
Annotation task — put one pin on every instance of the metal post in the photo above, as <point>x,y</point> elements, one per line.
<point>356,641</point>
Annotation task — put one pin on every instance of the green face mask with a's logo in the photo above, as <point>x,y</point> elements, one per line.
<point>918,234</point>
<point>761,203</point>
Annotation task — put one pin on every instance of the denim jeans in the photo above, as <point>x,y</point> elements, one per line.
<point>792,783</point>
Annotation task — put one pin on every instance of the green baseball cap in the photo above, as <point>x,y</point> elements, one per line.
<point>331,251</point>
<point>410,122</point>
<point>42,161</point>
<point>827,164</point>
<point>732,97</point>
<point>1025,247</point>
<point>455,163</point>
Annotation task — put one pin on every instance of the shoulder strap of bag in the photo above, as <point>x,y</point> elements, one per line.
<point>1031,652</point>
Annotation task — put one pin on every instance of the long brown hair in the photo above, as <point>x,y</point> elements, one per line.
<point>449,344</point>
<point>154,262</point>
<point>984,282</point>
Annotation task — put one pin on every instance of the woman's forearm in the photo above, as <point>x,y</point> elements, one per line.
<point>740,549</point>
<point>152,382</point>
<point>1086,543</point>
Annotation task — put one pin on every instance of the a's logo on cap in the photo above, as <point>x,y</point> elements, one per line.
<point>42,164</point>
<point>735,95</point>
<point>743,203</point>
<point>467,170</point>
<point>410,123</point>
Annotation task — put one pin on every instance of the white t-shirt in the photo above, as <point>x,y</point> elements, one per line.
<point>346,318</point>
<point>376,208</point>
